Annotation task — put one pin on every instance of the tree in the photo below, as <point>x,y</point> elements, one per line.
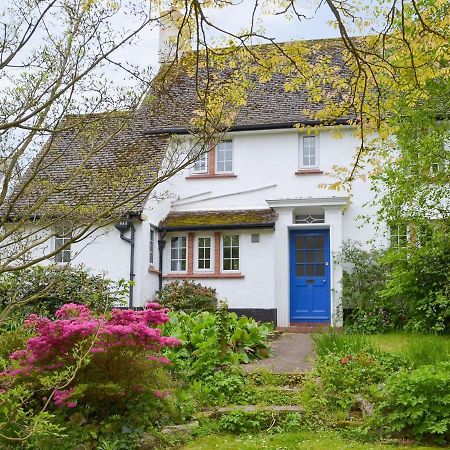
<point>57,96</point>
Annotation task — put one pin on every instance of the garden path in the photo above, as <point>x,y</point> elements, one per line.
<point>292,352</point>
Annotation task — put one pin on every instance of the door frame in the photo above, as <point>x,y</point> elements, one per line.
<point>328,272</point>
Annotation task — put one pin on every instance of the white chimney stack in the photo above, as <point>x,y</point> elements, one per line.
<point>173,37</point>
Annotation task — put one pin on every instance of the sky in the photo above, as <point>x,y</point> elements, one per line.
<point>236,18</point>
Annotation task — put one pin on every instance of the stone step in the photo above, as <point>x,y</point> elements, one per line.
<point>308,328</point>
<point>250,409</point>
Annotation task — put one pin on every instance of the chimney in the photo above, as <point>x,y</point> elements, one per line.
<point>174,36</point>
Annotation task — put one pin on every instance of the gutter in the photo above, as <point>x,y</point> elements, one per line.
<point>237,226</point>
<point>251,127</point>
<point>123,227</point>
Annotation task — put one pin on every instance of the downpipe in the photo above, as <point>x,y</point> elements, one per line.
<point>123,227</point>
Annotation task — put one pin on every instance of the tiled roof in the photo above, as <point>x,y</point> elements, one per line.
<point>129,160</point>
<point>102,162</point>
<point>268,102</point>
<point>195,220</point>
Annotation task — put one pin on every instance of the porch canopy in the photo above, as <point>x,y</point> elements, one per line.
<point>219,220</point>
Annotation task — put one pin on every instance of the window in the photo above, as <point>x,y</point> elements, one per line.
<point>204,253</point>
<point>308,152</point>
<point>224,156</point>
<point>230,249</point>
<point>399,235</point>
<point>64,255</point>
<point>151,253</point>
<point>201,165</point>
<point>178,253</point>
<point>310,218</point>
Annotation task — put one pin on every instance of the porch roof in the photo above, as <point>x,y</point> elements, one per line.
<point>219,220</point>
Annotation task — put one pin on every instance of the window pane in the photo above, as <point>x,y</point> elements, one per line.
<point>178,253</point>
<point>224,156</point>
<point>309,270</point>
<point>300,242</point>
<point>320,256</point>
<point>230,252</point>
<point>310,256</point>
<point>309,151</point>
<point>320,270</point>
<point>299,270</point>
<point>310,242</point>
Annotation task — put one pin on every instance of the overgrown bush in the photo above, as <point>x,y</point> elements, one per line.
<point>417,403</point>
<point>363,281</point>
<point>187,296</point>
<point>420,277</point>
<point>398,289</point>
<point>43,290</point>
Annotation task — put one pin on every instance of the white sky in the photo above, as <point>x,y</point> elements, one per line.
<point>237,18</point>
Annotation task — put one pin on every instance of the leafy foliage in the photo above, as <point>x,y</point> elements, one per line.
<point>203,336</point>
<point>417,402</point>
<point>43,290</point>
<point>187,296</point>
<point>404,288</point>
<point>420,280</point>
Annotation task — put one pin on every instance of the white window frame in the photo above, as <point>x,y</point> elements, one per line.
<point>197,253</point>
<point>205,157</point>
<point>66,253</point>
<point>222,254</point>
<point>179,236</point>
<point>151,245</point>
<point>302,138</point>
<point>399,236</point>
<point>217,156</point>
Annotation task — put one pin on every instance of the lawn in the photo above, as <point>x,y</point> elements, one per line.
<point>400,342</point>
<point>300,440</point>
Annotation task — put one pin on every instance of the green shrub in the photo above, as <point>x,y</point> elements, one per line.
<point>187,296</point>
<point>417,403</point>
<point>420,277</point>
<point>363,280</point>
<point>54,287</point>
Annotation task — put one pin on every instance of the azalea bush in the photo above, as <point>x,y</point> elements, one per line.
<point>187,296</point>
<point>101,365</point>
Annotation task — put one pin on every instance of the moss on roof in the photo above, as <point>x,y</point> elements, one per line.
<point>192,219</point>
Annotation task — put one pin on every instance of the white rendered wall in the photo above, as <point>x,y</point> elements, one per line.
<point>264,164</point>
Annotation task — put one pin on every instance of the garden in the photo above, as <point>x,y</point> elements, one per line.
<point>89,375</point>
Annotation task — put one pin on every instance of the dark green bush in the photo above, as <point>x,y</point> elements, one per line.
<point>398,289</point>
<point>420,277</point>
<point>417,403</point>
<point>187,296</point>
<point>53,287</point>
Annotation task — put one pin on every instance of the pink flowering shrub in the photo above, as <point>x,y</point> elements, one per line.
<point>124,355</point>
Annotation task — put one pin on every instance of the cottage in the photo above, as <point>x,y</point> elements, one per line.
<point>248,218</point>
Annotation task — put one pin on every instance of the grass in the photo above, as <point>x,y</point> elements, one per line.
<point>419,349</point>
<point>299,440</point>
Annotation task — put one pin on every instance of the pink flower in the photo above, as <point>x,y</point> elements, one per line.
<point>161,394</point>
<point>344,360</point>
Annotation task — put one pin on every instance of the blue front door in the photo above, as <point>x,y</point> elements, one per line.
<point>310,275</point>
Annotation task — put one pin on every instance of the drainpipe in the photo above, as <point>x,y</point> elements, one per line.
<point>161,245</point>
<point>123,227</point>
